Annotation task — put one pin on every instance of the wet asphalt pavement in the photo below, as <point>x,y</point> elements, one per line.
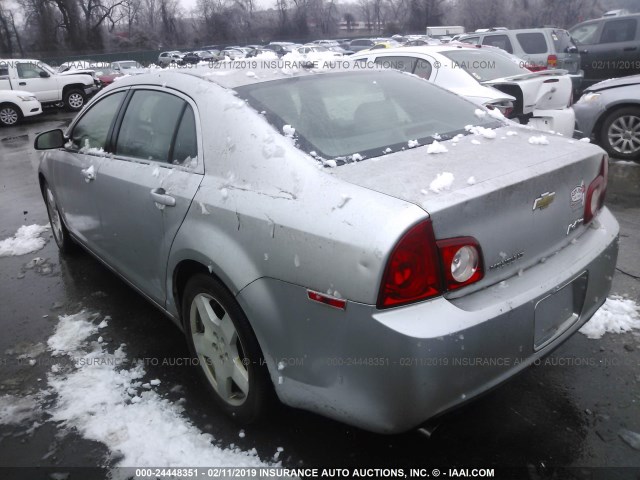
<point>562,413</point>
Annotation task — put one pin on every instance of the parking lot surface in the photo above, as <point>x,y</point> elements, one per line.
<point>577,409</point>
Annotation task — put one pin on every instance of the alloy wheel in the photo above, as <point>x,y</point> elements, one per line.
<point>220,352</point>
<point>624,134</point>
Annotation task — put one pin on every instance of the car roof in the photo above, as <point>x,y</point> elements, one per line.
<point>603,19</point>
<point>228,78</point>
<point>427,49</point>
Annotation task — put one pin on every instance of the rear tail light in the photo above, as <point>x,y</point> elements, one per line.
<point>535,68</point>
<point>413,271</point>
<point>552,61</point>
<point>461,261</point>
<point>596,192</point>
<point>415,267</point>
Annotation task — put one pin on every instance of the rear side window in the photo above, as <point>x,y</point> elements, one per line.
<point>616,31</point>
<point>149,125</point>
<point>533,42</point>
<point>185,148</point>
<point>404,64</point>
<point>417,66</point>
<point>500,41</point>
<point>92,129</point>
<point>471,40</point>
<point>423,68</point>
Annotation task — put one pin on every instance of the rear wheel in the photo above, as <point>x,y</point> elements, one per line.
<point>74,100</point>
<point>226,349</point>
<point>60,233</point>
<point>9,115</point>
<point>620,133</point>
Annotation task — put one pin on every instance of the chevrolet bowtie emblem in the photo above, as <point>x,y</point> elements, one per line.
<point>544,200</point>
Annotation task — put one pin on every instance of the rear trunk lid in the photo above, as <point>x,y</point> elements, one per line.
<point>544,90</point>
<point>522,201</point>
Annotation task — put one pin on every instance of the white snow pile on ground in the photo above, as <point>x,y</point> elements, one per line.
<point>538,140</point>
<point>15,410</point>
<point>28,239</point>
<point>443,181</point>
<point>617,315</point>
<point>436,147</point>
<point>103,399</point>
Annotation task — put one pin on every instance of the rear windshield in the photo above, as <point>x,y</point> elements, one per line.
<point>532,42</point>
<point>562,41</point>
<point>358,115</point>
<point>484,65</point>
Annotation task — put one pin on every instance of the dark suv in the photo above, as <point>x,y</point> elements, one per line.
<point>609,47</point>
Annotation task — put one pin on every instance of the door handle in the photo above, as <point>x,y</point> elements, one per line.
<point>161,197</point>
<point>22,83</point>
<point>630,49</point>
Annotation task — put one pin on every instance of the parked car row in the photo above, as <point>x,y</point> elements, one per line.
<point>488,77</point>
<point>27,85</point>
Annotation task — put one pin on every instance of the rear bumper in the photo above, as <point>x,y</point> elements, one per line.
<point>390,371</point>
<point>560,121</point>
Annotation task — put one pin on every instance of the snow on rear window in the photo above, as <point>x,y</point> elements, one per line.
<point>338,115</point>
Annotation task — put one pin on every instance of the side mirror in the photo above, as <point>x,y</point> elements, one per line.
<point>49,140</point>
<point>44,75</point>
<point>572,49</point>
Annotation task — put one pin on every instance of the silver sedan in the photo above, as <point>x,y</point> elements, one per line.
<point>363,244</point>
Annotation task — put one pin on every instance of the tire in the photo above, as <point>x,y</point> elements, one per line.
<point>620,133</point>
<point>74,100</point>
<point>61,235</point>
<point>10,115</point>
<point>224,347</point>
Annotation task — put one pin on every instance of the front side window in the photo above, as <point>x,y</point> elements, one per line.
<point>585,34</point>
<point>90,133</point>
<point>616,31</point>
<point>366,113</point>
<point>149,125</point>
<point>532,43</point>
<point>500,41</point>
<point>29,70</point>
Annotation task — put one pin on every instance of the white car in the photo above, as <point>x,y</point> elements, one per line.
<point>17,104</point>
<point>488,76</point>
